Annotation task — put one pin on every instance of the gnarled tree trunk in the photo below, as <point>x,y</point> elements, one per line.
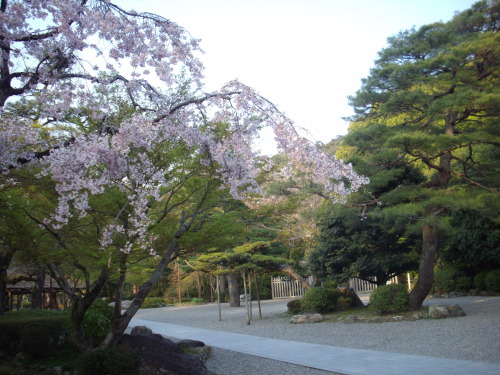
<point>426,267</point>
<point>234,290</point>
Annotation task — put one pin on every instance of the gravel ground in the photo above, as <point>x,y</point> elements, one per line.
<point>472,337</point>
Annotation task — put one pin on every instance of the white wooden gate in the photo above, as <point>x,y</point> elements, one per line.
<point>283,287</point>
<point>361,285</point>
<point>365,286</point>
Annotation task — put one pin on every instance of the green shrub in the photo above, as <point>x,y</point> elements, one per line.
<point>480,280</point>
<point>390,298</point>
<point>33,332</point>
<point>110,361</point>
<point>294,306</point>
<point>320,300</point>
<point>197,300</point>
<point>43,338</point>
<point>98,321</point>
<point>153,302</point>
<point>463,283</point>
<point>344,303</point>
<point>492,280</point>
<point>451,279</point>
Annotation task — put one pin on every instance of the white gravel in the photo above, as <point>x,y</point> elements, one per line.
<point>472,337</point>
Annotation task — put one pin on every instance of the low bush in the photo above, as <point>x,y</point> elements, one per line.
<point>197,300</point>
<point>451,279</point>
<point>110,361</point>
<point>294,306</point>
<point>98,321</point>
<point>344,303</point>
<point>35,333</point>
<point>43,338</point>
<point>153,302</point>
<point>320,300</point>
<point>492,280</point>
<point>479,280</point>
<point>390,298</point>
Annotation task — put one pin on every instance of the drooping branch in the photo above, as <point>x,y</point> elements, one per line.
<point>286,268</point>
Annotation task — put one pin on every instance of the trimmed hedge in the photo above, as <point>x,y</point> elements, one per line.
<point>35,333</point>
<point>480,280</point>
<point>492,280</point>
<point>451,280</point>
<point>390,298</point>
<point>320,300</point>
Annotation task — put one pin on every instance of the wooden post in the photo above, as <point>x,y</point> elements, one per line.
<point>179,294</point>
<point>258,295</point>
<point>218,299</point>
<point>250,294</point>
<point>246,299</point>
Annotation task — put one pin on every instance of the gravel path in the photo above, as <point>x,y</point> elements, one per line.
<point>473,337</point>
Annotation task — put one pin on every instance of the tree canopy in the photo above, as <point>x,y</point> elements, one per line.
<point>108,105</point>
<point>431,103</point>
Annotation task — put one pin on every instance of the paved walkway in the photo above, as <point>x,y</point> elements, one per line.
<point>324,357</point>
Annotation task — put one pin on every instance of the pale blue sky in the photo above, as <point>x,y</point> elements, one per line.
<point>306,56</point>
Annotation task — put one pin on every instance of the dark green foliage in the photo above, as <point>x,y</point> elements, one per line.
<point>475,240</point>
<point>294,306</point>
<point>430,103</point>
<point>98,321</point>
<point>110,361</point>
<point>479,280</point>
<point>344,303</point>
<point>390,298</point>
<point>350,245</point>
<point>35,333</point>
<point>492,280</point>
<point>320,300</point>
<point>43,338</point>
<point>451,279</point>
<point>153,302</point>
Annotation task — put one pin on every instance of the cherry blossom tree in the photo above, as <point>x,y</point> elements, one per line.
<point>103,99</point>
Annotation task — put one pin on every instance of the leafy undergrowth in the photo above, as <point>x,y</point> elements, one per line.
<point>24,331</point>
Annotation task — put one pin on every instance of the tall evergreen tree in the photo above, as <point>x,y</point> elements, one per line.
<point>432,101</point>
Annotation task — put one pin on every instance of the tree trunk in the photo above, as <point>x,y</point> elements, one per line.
<point>37,299</point>
<point>218,298</point>
<point>234,290</point>
<point>426,267</point>
<point>258,295</point>
<point>222,287</point>
<point>5,258</point>
<point>3,291</point>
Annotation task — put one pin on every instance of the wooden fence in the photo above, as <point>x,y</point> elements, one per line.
<point>283,287</point>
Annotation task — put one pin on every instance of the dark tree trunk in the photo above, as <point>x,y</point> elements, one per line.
<point>234,290</point>
<point>426,267</point>
<point>222,287</point>
<point>3,291</point>
<point>430,232</point>
<point>37,299</point>
<point>5,258</point>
